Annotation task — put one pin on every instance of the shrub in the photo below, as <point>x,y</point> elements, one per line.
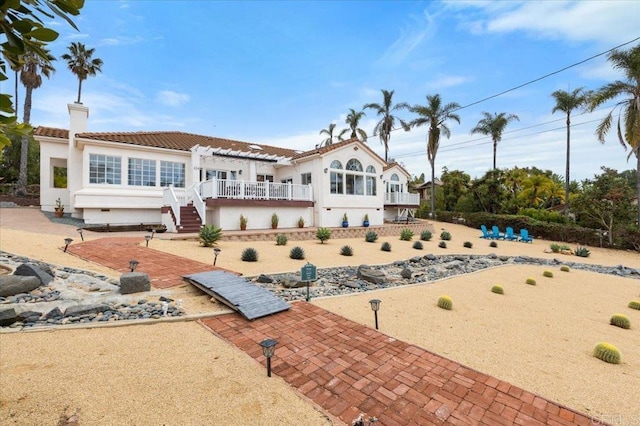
<point>323,234</point>
<point>406,234</point>
<point>493,244</point>
<point>249,255</point>
<point>445,236</point>
<point>530,281</point>
<point>582,251</point>
<point>296,253</point>
<point>346,251</point>
<point>497,289</point>
<point>635,304</point>
<point>467,244</point>
<point>547,274</point>
<point>607,352</point>
<point>385,246</point>
<point>281,240</point>
<point>371,237</point>
<point>564,268</point>
<point>209,235</point>
<point>425,235</point>
<point>445,302</point>
<point>621,321</point>
<point>555,247</point>
<point>564,247</point>
<point>417,245</point>
<point>442,244</point>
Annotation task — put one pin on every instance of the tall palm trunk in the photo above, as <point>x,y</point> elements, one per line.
<point>638,182</point>
<point>495,149</point>
<point>565,211</point>
<point>17,103</point>
<point>433,189</point>
<point>79,90</point>
<point>21,188</point>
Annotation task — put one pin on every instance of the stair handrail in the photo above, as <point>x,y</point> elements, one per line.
<point>198,203</point>
<point>170,198</point>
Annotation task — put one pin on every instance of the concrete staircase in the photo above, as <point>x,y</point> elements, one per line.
<point>190,220</point>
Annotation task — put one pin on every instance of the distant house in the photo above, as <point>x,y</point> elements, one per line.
<point>185,180</point>
<point>425,190</point>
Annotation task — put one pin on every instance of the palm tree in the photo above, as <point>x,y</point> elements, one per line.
<point>330,135</point>
<point>494,125</point>
<point>81,64</point>
<point>387,122</point>
<point>629,63</point>
<point>536,190</point>
<point>566,102</point>
<point>435,115</point>
<point>33,68</point>
<point>353,120</point>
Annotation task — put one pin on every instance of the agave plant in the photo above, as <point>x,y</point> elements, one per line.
<point>296,253</point>
<point>209,235</point>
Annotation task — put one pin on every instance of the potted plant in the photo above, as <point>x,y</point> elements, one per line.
<point>243,222</point>
<point>274,221</point>
<point>345,221</point>
<point>59,209</point>
<point>365,222</point>
<point>300,222</point>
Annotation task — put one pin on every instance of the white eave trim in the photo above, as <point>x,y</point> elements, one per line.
<point>80,142</point>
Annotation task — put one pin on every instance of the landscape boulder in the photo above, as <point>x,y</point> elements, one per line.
<point>23,316</point>
<point>293,281</point>
<point>365,272</point>
<point>134,282</point>
<point>8,317</point>
<point>78,310</point>
<point>265,279</point>
<point>31,270</point>
<point>55,313</point>
<point>11,285</point>
<point>406,273</point>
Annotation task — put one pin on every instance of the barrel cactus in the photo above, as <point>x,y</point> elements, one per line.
<point>547,274</point>
<point>607,352</point>
<point>442,244</point>
<point>385,246</point>
<point>531,281</point>
<point>621,321</point>
<point>564,268</point>
<point>635,304</point>
<point>497,289</point>
<point>445,302</point>
<point>467,244</point>
<point>417,245</point>
<point>249,255</point>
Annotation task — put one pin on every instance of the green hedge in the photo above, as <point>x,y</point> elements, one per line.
<point>628,238</point>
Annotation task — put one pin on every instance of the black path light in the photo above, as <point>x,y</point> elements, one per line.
<point>67,241</point>
<point>216,252</point>
<point>375,306</point>
<point>133,264</point>
<point>80,232</point>
<point>148,238</point>
<point>268,349</point>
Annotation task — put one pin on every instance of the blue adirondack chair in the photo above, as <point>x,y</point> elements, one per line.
<point>485,232</point>
<point>524,236</point>
<point>510,235</point>
<point>496,235</point>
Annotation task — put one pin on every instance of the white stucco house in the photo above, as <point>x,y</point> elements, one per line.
<point>186,180</point>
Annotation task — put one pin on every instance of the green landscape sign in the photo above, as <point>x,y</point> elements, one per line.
<point>309,272</point>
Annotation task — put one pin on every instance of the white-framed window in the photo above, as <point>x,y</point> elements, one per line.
<point>305,178</point>
<point>336,178</point>
<point>172,173</point>
<point>105,169</point>
<point>215,174</point>
<point>264,178</point>
<point>371,181</point>
<point>394,184</point>
<point>142,172</point>
<point>354,178</point>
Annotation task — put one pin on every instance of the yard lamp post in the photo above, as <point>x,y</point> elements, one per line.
<point>375,306</point>
<point>133,264</point>
<point>67,241</point>
<point>147,238</point>
<point>216,252</point>
<point>268,349</point>
<point>80,232</point>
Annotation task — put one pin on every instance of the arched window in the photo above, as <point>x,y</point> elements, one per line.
<point>394,184</point>
<point>355,178</point>
<point>371,181</point>
<point>336,178</point>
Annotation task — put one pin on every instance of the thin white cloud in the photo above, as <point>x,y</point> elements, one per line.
<point>443,81</point>
<point>171,98</point>
<point>411,36</point>
<point>120,41</point>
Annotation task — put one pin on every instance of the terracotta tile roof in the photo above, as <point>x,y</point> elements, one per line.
<point>328,148</point>
<point>394,164</point>
<point>179,141</point>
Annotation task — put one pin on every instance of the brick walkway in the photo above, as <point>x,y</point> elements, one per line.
<point>347,369</point>
<point>164,269</point>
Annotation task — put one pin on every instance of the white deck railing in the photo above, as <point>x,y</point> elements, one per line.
<point>198,203</point>
<point>244,190</point>
<point>170,198</point>
<point>402,198</point>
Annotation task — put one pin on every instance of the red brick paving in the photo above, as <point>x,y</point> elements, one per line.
<point>164,269</point>
<point>347,368</point>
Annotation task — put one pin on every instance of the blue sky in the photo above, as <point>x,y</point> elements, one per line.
<point>278,72</point>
